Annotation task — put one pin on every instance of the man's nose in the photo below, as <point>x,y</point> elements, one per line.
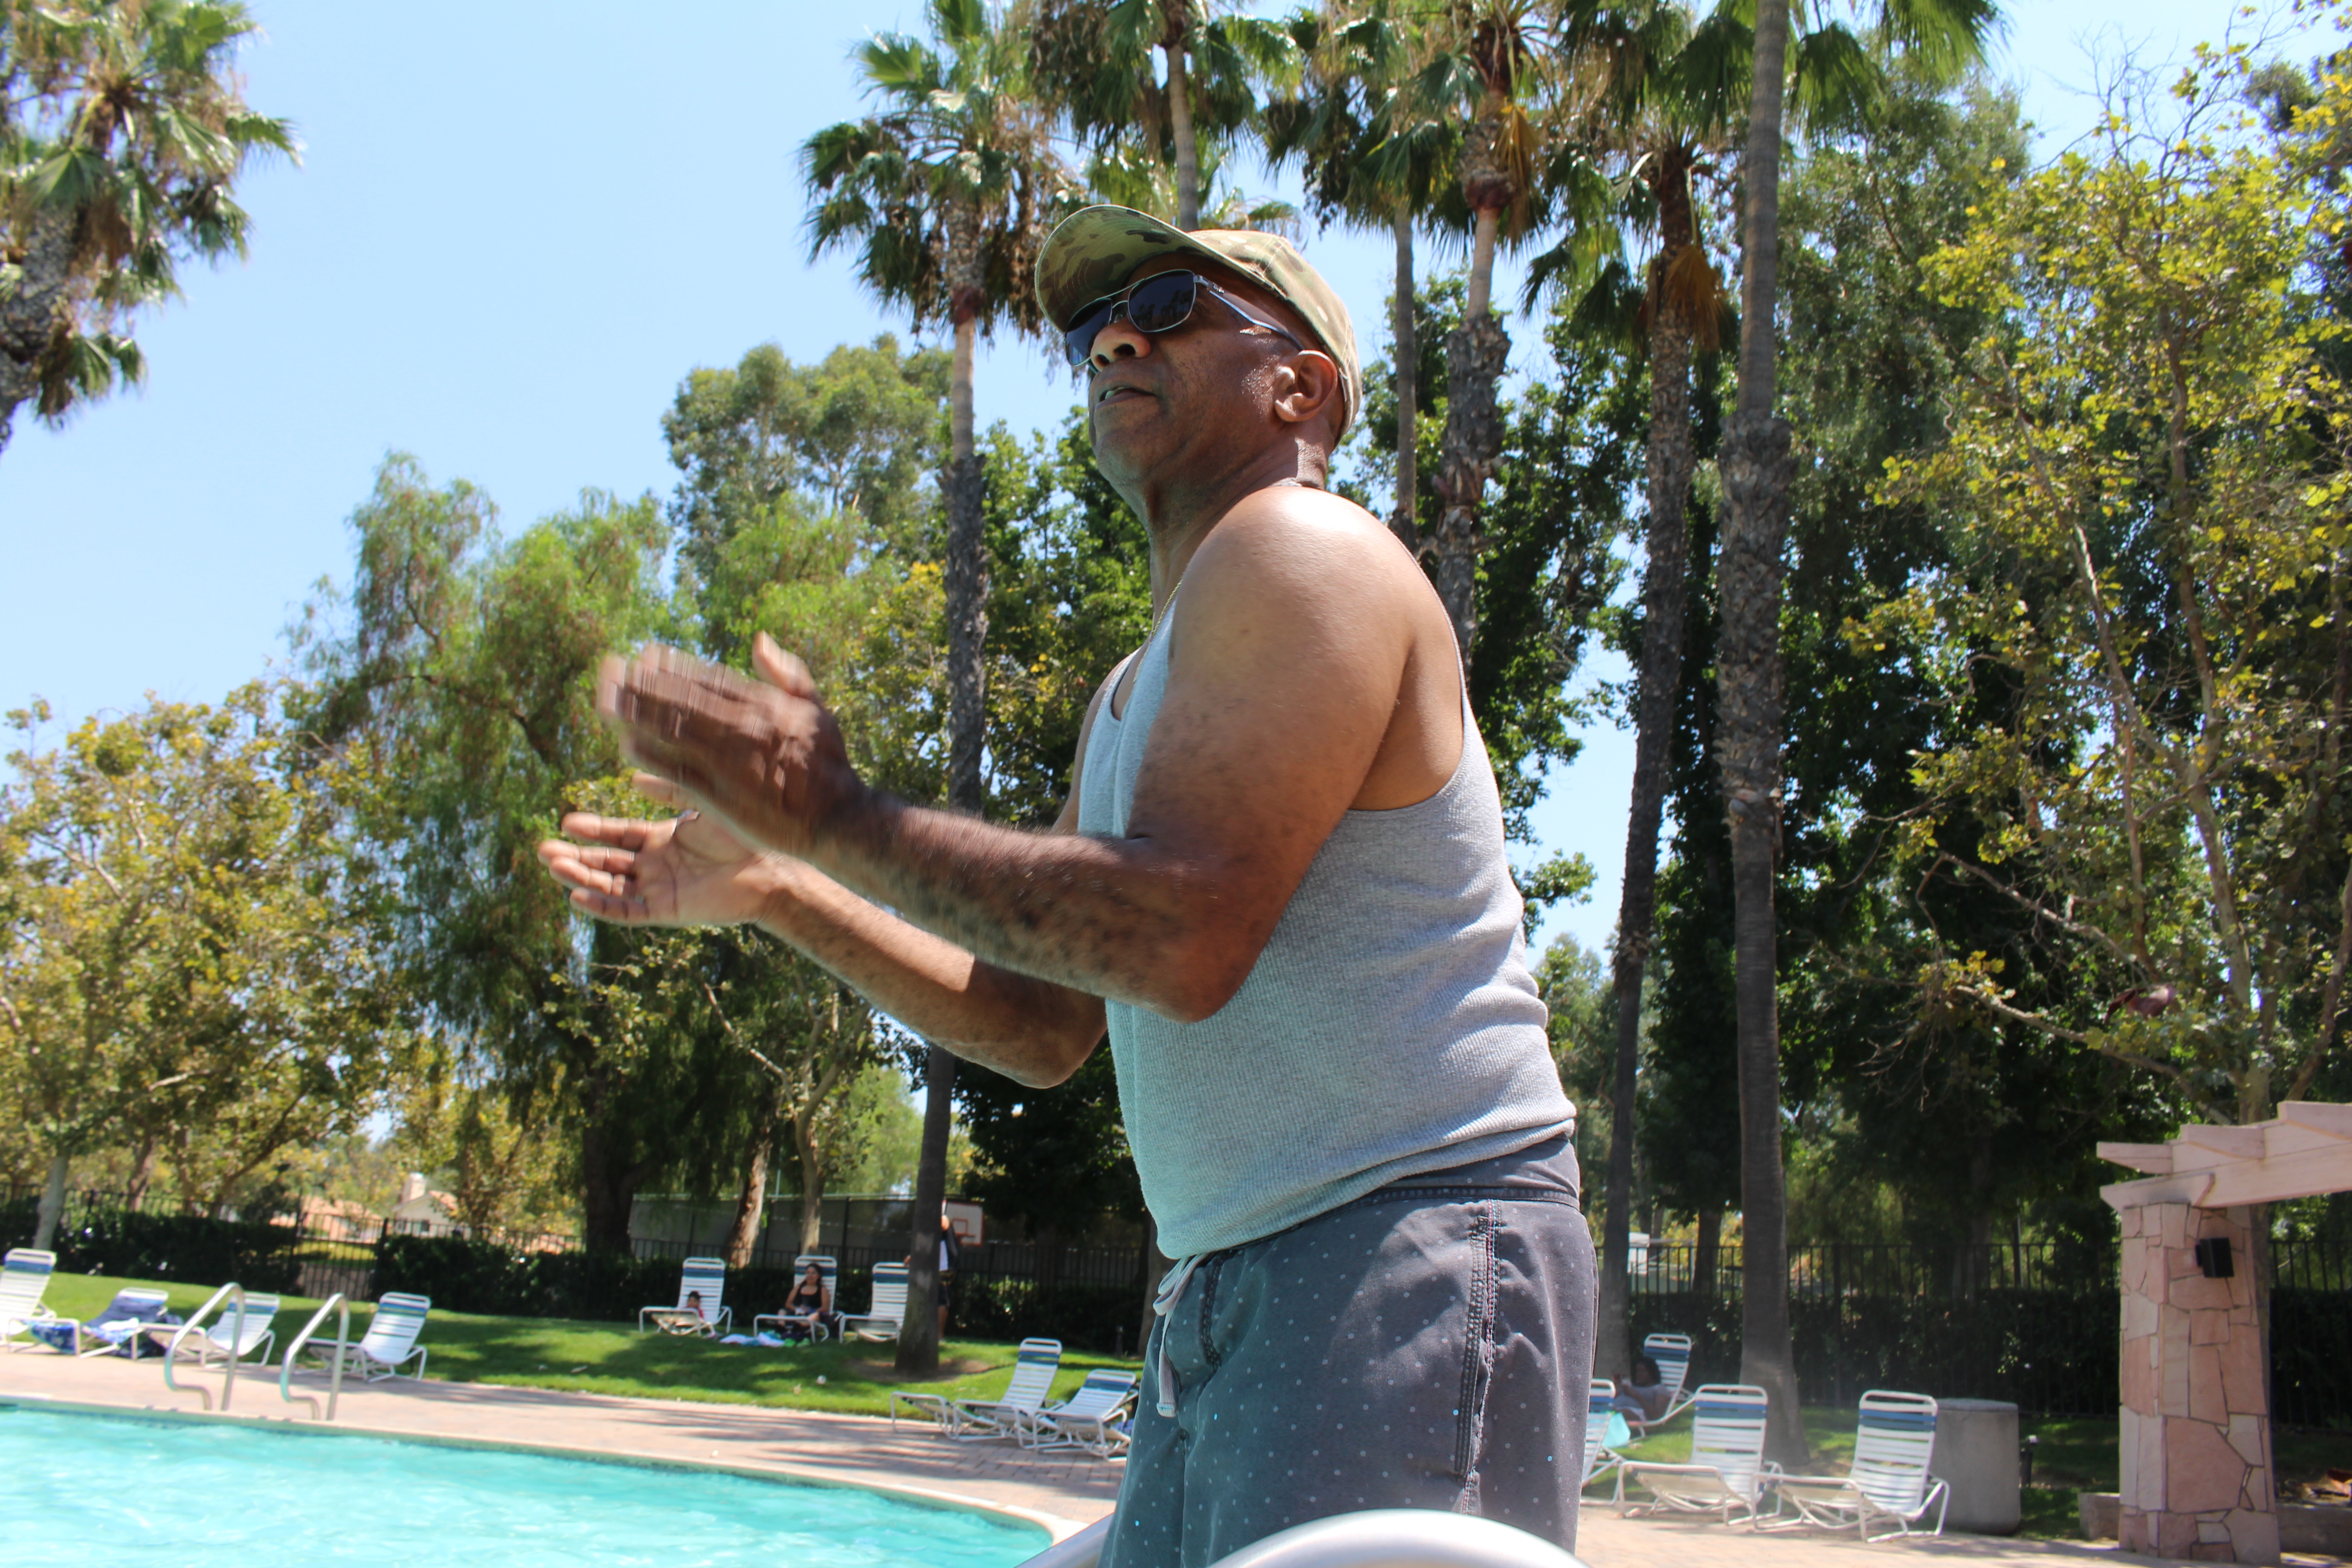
<point>1118,341</point>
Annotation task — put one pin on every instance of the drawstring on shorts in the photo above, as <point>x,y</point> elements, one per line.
<point>1163,1302</point>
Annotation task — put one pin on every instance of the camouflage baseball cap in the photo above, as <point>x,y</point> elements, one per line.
<point>1094,252</point>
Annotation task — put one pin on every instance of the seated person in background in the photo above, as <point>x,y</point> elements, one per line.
<point>1643,1397</point>
<point>810,1303</point>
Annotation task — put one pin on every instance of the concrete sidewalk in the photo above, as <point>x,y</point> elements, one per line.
<point>1059,1491</point>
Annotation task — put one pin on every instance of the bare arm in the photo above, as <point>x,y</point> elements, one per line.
<point>1300,622</point>
<point>690,870</point>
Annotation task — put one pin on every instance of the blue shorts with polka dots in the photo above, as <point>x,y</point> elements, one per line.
<point>1429,1345</point>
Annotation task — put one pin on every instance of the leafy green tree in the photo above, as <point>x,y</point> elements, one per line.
<point>2144,479</point>
<point>948,191</point>
<point>191,962</point>
<point>123,132</point>
<point>460,665</point>
<point>857,433</point>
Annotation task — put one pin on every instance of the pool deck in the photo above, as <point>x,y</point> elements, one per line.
<point>1061,1492</point>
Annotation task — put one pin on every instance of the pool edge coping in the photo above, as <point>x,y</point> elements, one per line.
<point>1057,1528</point>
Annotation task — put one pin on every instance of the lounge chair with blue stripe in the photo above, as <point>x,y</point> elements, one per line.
<point>1604,1429</point>
<point>1093,1418</point>
<point>889,1306</point>
<point>390,1342</point>
<point>220,1341</point>
<point>1673,1355</point>
<point>971,1420</point>
<point>24,1278</point>
<point>701,1302</point>
<point>1888,1481</point>
<point>1034,1367</point>
<point>1727,1468</point>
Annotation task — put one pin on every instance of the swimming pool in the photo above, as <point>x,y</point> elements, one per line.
<point>85,1488</point>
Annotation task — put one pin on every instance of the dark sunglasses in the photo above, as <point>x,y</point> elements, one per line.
<point>1161,303</point>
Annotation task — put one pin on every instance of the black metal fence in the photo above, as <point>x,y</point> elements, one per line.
<point>2036,1324</point>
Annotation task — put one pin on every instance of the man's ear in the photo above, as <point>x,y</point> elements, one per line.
<point>1306,384</point>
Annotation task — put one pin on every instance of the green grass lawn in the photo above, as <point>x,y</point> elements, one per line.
<point>2074,1455</point>
<point>614,1357</point>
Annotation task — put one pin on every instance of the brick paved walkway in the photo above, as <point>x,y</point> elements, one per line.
<point>1056,1490</point>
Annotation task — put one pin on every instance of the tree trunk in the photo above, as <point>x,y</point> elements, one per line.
<point>53,1203</point>
<point>752,1203</point>
<point>1179,125</point>
<point>143,1174</point>
<point>918,1333</point>
<point>1709,1251</point>
<point>1474,356</point>
<point>1478,291</point>
<point>1666,579</point>
<point>811,1200</point>
<point>28,318</point>
<point>1757,468</point>
<point>608,1191</point>
<point>1406,523</point>
<point>967,595</point>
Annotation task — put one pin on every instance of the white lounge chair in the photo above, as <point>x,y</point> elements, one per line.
<point>1673,1355</point>
<point>701,1302</point>
<point>1093,1418</point>
<point>976,1420</point>
<point>220,1341</point>
<point>1894,1446</point>
<point>24,1278</point>
<point>813,1323</point>
<point>889,1313</point>
<point>1727,1468</point>
<point>390,1342</point>
<point>1600,1455</point>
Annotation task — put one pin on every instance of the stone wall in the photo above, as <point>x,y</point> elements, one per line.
<point>2196,1460</point>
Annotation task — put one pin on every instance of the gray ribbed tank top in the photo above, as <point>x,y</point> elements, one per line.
<point>1388,1028</point>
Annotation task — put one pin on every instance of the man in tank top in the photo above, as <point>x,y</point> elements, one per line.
<point>1277,888</point>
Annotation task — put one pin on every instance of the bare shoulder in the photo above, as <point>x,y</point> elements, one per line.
<point>1311,551</point>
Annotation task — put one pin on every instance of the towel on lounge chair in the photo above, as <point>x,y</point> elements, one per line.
<point>115,1331</point>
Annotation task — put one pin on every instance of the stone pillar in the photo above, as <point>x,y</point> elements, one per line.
<point>2197,1479</point>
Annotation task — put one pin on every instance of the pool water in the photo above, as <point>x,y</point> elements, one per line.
<point>122,1491</point>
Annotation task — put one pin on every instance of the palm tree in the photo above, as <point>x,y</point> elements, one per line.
<point>122,132</point>
<point>1091,59</point>
<point>1653,112</point>
<point>1479,72</point>
<point>1368,161</point>
<point>1121,174</point>
<point>946,193</point>
<point>1756,464</point>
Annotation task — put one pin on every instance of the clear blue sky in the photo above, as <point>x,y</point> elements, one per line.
<point>516,228</point>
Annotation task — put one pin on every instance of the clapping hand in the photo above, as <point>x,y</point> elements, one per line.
<point>757,764</point>
<point>764,756</point>
<point>687,870</point>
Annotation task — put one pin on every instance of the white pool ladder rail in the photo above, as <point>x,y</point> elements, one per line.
<point>235,1294</point>
<point>1378,1538</point>
<point>334,1303</point>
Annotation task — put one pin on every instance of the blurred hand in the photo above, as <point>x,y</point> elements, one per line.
<point>688,870</point>
<point>764,756</point>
